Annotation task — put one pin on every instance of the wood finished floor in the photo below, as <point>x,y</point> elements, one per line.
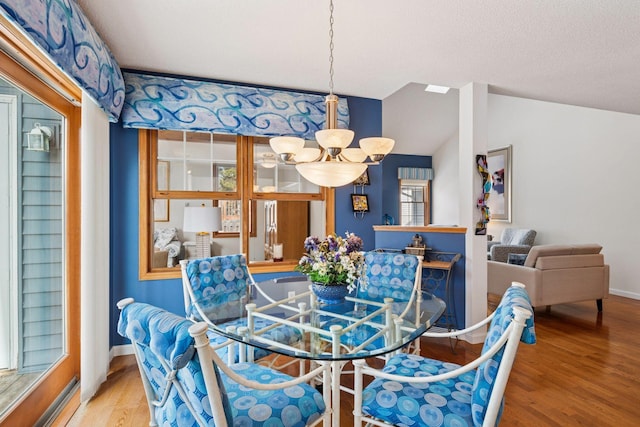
<point>584,371</point>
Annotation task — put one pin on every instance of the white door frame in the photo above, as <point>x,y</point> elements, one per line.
<point>9,288</point>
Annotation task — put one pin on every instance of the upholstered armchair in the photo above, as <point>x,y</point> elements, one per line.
<point>166,240</point>
<point>512,241</point>
<point>412,390</point>
<point>188,384</point>
<point>215,290</point>
<point>389,275</point>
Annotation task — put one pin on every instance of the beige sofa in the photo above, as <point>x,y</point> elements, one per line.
<point>555,274</point>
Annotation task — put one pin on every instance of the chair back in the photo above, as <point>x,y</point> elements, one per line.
<point>483,394</point>
<point>391,275</point>
<point>518,236</point>
<point>170,370</point>
<point>215,288</point>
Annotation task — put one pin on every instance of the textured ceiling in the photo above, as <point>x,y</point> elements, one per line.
<point>577,52</point>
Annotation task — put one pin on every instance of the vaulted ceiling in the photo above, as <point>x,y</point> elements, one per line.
<point>584,53</point>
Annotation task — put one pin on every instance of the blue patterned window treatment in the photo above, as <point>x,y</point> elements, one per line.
<point>157,102</point>
<point>64,32</point>
<point>419,174</point>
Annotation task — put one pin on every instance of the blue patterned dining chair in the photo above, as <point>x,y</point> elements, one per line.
<point>388,275</point>
<point>416,391</point>
<point>215,291</point>
<point>188,384</point>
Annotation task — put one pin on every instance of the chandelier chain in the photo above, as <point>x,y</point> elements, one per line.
<point>331,48</point>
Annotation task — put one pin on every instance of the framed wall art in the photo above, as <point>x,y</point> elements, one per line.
<point>362,179</point>
<point>360,202</point>
<point>499,167</point>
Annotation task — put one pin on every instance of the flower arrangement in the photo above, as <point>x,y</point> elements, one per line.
<point>334,260</point>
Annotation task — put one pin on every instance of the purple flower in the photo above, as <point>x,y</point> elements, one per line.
<point>334,260</point>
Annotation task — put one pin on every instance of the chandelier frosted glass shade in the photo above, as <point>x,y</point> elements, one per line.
<point>354,155</point>
<point>377,147</point>
<point>334,138</point>
<point>307,155</point>
<point>331,173</point>
<point>286,146</point>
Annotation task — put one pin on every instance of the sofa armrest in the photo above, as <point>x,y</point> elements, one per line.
<point>500,253</point>
<point>491,244</point>
<point>500,275</point>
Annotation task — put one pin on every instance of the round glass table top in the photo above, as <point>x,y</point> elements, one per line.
<point>283,316</point>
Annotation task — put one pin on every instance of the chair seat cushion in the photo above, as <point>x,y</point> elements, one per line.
<point>443,403</point>
<point>298,405</point>
<point>283,334</point>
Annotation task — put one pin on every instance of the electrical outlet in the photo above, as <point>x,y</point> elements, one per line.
<point>291,295</point>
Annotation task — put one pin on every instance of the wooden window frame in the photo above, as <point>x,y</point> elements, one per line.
<point>147,140</point>
<point>29,69</point>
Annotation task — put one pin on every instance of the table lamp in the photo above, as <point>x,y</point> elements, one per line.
<point>202,220</point>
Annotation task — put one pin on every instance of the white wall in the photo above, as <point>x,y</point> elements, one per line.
<point>575,175</point>
<point>444,188</point>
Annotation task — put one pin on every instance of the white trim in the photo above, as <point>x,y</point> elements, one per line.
<point>120,350</point>
<point>10,316</point>
<point>625,294</point>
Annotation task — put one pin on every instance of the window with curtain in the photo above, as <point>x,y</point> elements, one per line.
<point>414,202</point>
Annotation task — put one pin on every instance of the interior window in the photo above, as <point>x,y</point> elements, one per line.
<point>414,202</point>
<point>257,194</point>
<point>272,175</point>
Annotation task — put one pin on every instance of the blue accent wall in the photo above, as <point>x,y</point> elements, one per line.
<point>441,242</point>
<point>365,121</point>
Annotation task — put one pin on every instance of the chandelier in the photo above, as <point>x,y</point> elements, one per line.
<point>335,164</point>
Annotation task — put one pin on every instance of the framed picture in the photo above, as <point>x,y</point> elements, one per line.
<point>161,210</point>
<point>362,179</point>
<point>360,202</point>
<point>499,166</point>
<point>163,175</point>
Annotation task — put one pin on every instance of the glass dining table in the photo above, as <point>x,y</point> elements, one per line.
<point>283,316</point>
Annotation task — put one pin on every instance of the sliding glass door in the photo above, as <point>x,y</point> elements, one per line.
<point>39,257</point>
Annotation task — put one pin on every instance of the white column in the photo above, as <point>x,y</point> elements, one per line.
<point>94,277</point>
<point>473,141</point>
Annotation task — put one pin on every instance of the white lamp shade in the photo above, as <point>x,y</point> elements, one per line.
<point>331,174</point>
<point>201,219</point>
<point>377,145</point>
<point>354,155</point>
<point>286,144</point>
<point>334,138</point>
<point>307,155</point>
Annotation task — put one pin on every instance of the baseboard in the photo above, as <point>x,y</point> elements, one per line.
<point>120,350</point>
<point>626,294</point>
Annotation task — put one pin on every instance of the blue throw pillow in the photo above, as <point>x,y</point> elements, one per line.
<point>517,259</point>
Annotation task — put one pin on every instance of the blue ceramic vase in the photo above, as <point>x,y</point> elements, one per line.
<point>330,294</point>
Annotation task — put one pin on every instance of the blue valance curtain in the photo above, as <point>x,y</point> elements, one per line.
<point>63,31</point>
<point>419,174</point>
<point>157,102</point>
